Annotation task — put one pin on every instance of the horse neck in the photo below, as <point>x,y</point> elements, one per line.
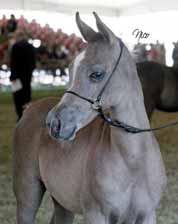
<point>130,108</point>
<point>132,112</point>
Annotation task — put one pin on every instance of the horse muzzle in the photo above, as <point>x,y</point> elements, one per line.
<point>59,129</point>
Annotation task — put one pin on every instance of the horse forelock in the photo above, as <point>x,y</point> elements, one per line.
<point>77,63</point>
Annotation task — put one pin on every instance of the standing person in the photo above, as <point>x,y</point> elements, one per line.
<point>22,64</point>
<point>3,26</point>
<point>12,24</point>
<point>175,54</point>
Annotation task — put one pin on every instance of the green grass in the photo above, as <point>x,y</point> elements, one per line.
<point>6,97</point>
<point>168,139</point>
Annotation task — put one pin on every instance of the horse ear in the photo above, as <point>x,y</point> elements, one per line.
<point>104,30</point>
<point>87,32</point>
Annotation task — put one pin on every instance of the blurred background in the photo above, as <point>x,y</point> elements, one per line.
<point>50,27</point>
<point>147,27</point>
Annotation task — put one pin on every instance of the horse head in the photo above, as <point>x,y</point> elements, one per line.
<point>99,74</point>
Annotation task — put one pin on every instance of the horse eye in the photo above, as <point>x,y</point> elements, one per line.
<point>96,76</point>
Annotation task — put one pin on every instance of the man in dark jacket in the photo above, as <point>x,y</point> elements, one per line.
<point>12,24</point>
<point>22,64</point>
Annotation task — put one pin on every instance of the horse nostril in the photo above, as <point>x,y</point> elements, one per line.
<point>55,126</point>
<point>48,123</point>
<point>49,119</point>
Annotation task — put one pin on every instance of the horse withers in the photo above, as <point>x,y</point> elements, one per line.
<point>87,166</point>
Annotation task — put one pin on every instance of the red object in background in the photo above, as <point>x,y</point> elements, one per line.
<point>3,49</point>
<point>152,55</point>
<point>47,35</point>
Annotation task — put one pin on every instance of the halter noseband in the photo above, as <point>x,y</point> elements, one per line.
<point>96,105</point>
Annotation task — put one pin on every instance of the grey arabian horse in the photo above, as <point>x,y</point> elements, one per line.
<point>89,167</point>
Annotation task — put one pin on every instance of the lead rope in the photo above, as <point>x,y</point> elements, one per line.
<point>129,128</point>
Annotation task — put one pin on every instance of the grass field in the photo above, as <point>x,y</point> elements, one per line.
<point>168,139</point>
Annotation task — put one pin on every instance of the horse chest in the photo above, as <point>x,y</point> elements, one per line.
<point>62,176</point>
<point>111,182</point>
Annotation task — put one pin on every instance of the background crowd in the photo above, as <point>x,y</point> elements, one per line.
<point>154,52</point>
<point>54,49</point>
<point>150,52</point>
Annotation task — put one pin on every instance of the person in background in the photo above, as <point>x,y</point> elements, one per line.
<point>22,64</point>
<point>175,54</point>
<point>12,24</point>
<point>3,26</point>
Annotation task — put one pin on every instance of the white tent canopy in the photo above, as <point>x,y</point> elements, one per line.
<point>103,7</point>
